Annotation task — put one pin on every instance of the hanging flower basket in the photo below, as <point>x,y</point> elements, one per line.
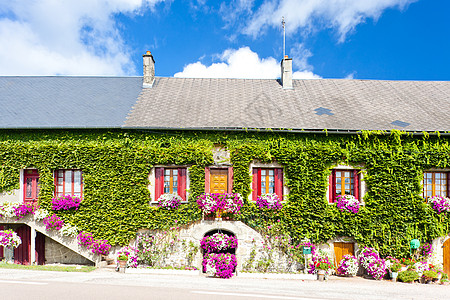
<point>9,238</point>
<point>169,201</point>
<point>347,203</point>
<point>269,201</point>
<point>218,242</point>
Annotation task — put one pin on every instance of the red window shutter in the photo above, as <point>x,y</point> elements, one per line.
<point>258,186</point>
<point>356,184</point>
<point>182,183</point>
<point>332,186</point>
<point>207,179</point>
<point>159,182</point>
<point>255,184</point>
<point>279,183</point>
<point>230,179</point>
<point>448,184</point>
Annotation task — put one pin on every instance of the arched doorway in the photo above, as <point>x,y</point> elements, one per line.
<point>224,251</point>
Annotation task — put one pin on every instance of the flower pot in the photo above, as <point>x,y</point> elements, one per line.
<point>122,263</point>
<point>321,275</point>
<point>394,276</point>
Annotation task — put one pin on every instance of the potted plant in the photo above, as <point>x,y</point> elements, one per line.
<point>322,267</point>
<point>395,267</point>
<point>444,278</point>
<point>408,276</point>
<point>429,276</point>
<point>122,260</point>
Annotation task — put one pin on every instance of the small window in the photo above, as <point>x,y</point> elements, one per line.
<point>267,181</point>
<point>169,181</point>
<point>69,182</point>
<point>435,184</point>
<point>344,182</point>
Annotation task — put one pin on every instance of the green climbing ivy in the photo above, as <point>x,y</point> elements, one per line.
<point>116,165</point>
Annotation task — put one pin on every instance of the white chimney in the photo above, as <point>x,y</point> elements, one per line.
<point>286,73</point>
<point>149,70</point>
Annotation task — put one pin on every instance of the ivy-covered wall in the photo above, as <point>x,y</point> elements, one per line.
<point>116,165</point>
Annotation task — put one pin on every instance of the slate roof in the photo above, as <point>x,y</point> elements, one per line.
<point>332,104</point>
<point>66,102</point>
<point>187,103</point>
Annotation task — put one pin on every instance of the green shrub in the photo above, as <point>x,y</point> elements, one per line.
<point>408,276</point>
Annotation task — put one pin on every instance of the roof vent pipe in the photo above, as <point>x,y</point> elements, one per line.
<point>286,72</point>
<point>149,70</point>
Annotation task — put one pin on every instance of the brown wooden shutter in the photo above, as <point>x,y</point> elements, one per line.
<point>159,182</point>
<point>255,184</point>
<point>182,183</point>
<point>332,186</point>
<point>279,183</point>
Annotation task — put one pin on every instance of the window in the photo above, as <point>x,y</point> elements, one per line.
<point>169,181</point>
<point>69,182</point>
<point>267,180</point>
<point>344,182</point>
<point>435,184</point>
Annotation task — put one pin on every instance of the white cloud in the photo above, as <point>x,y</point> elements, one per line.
<point>240,63</point>
<point>47,37</point>
<point>307,15</point>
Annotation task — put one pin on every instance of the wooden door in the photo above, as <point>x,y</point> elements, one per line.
<point>446,249</point>
<point>31,187</point>
<point>40,248</point>
<point>22,253</point>
<point>219,181</point>
<point>341,249</point>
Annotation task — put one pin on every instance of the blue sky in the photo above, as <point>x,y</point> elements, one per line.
<point>360,39</point>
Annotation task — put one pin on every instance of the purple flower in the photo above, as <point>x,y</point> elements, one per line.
<point>269,201</point>
<point>440,204</point>
<point>66,202</point>
<point>53,222</point>
<point>347,203</point>
<point>220,264</point>
<point>97,246</point>
<point>22,210</point>
<point>212,202</point>
<point>218,242</point>
<point>169,201</point>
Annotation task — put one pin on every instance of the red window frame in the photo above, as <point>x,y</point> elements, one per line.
<point>64,192</point>
<point>256,182</point>
<point>356,184</point>
<point>159,182</point>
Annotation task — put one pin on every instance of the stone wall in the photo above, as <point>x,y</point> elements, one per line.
<point>249,241</point>
<point>57,253</point>
<point>13,196</point>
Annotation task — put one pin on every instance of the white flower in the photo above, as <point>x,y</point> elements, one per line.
<point>69,230</point>
<point>40,214</point>
<point>8,209</point>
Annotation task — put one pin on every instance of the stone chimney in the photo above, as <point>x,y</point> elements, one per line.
<point>149,70</point>
<point>286,73</point>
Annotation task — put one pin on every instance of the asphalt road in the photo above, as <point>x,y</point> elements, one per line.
<point>105,284</point>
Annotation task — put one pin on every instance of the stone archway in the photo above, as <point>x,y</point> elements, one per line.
<point>245,235</point>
